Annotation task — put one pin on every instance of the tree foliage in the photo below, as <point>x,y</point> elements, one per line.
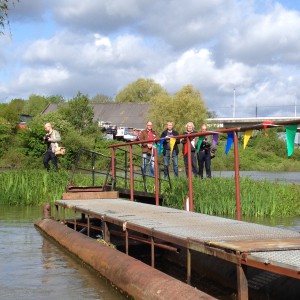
<point>142,90</point>
<point>78,112</point>
<point>101,99</point>
<point>4,8</point>
<point>35,105</point>
<point>185,106</point>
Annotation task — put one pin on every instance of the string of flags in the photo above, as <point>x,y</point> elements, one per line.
<point>290,131</point>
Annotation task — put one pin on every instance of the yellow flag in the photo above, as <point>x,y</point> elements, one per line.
<point>247,135</point>
<point>172,143</point>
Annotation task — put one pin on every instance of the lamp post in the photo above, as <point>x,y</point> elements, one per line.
<point>234,103</point>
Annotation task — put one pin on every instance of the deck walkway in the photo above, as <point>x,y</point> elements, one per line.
<point>272,249</point>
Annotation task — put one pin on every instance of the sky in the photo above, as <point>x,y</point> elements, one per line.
<point>242,55</point>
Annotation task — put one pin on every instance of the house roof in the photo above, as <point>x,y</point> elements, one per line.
<point>120,114</point>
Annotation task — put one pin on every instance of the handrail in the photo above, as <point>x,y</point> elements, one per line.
<point>188,137</point>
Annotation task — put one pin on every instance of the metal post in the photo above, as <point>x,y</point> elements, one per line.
<point>242,283</point>
<point>189,269</point>
<point>93,169</point>
<point>156,172</point>
<point>126,241</point>
<point>131,173</point>
<point>237,177</point>
<point>125,169</point>
<point>88,225</point>
<point>75,221</point>
<point>113,170</point>
<point>106,233</point>
<point>56,212</point>
<point>190,174</point>
<point>152,252</point>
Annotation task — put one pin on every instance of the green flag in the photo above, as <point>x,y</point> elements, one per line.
<point>200,142</point>
<point>290,131</point>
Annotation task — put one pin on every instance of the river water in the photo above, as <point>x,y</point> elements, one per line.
<point>32,267</point>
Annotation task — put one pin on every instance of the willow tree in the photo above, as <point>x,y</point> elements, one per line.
<point>185,106</point>
<point>4,8</point>
<point>142,90</point>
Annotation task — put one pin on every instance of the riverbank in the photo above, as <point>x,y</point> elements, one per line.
<point>214,197</point>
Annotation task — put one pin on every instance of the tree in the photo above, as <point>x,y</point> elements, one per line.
<point>4,21</point>
<point>185,106</point>
<point>142,90</point>
<point>35,105</point>
<point>101,99</point>
<point>78,112</point>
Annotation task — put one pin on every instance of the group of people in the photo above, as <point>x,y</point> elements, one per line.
<point>170,152</point>
<point>202,154</point>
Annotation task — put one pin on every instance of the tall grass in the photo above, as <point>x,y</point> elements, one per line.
<point>31,187</point>
<point>217,197</point>
<point>214,196</point>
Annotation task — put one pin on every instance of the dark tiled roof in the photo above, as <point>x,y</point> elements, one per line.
<point>120,114</point>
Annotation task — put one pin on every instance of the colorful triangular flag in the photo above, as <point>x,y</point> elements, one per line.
<point>247,136</point>
<point>290,138</point>
<point>229,141</point>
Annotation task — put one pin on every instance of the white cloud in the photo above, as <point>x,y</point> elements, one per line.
<point>61,47</point>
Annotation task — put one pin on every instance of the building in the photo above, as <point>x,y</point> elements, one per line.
<point>128,114</point>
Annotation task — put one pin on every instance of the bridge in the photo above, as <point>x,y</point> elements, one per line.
<point>245,122</point>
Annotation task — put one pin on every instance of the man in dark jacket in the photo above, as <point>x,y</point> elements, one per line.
<point>171,150</point>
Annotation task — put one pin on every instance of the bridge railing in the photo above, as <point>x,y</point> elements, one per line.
<point>188,138</point>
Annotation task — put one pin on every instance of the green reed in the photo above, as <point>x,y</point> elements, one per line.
<point>214,196</point>
<point>217,197</point>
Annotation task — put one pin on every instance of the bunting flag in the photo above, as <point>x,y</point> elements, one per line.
<point>215,140</point>
<point>229,141</point>
<point>265,124</point>
<point>200,142</point>
<point>185,148</point>
<point>247,136</point>
<point>290,138</point>
<point>160,147</point>
<point>172,144</point>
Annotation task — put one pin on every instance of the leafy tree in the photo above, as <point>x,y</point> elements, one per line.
<point>13,111</point>
<point>185,106</point>
<point>5,135</point>
<point>35,105</point>
<point>141,90</point>
<point>78,112</point>
<point>4,7</point>
<point>56,99</point>
<point>101,99</point>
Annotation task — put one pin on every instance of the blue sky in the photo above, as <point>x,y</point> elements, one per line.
<point>99,47</point>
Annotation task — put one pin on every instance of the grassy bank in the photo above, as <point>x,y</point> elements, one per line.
<point>215,196</point>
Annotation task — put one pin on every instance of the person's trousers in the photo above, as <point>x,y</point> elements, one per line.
<point>148,160</point>
<point>49,155</point>
<point>194,164</point>
<point>167,158</point>
<point>204,159</point>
